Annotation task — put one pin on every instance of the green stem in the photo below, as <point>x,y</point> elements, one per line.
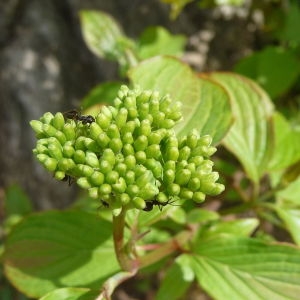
<point>122,255</point>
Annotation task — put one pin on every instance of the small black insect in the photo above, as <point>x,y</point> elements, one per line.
<point>77,116</point>
<point>105,204</point>
<point>151,204</point>
<point>69,179</point>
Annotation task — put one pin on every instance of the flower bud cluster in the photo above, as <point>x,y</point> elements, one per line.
<point>130,154</point>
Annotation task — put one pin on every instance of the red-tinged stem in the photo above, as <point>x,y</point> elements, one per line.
<point>178,243</point>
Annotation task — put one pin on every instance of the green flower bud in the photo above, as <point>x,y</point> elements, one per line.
<point>49,130</point>
<point>103,140</point>
<point>165,103</point>
<point>143,97</point>
<point>138,203</point>
<point>128,150</point>
<point>186,194</point>
<point>58,121</point>
<point>41,149</point>
<point>124,198</point>
<point>173,189</point>
<point>66,164</point>
<point>216,189</point>
<point>167,123</point>
<point>112,177</point>
<point>144,178</point>
<point>69,131</point>
<point>95,130</point>
<point>154,106</point>
<point>91,159</point>
<point>55,152</point>
<point>149,191</point>
<point>87,171</point>
<point>128,127</point>
<point>158,118</point>
<point>42,157</point>
<point>198,197</point>
<point>37,126</point>
<point>91,145</point>
<point>197,160</point>
<point>96,178</point>
<point>105,166</point>
<point>170,165</point>
<point>59,175</point>
<point>194,184</point>
<point>116,145</point>
<point>171,153</point>
<point>140,157</point>
<point>46,118</point>
<point>155,166</point>
<point>144,111</point>
<point>162,197</point>
<point>169,176</point>
<point>60,137</point>
<point>130,177</point>
<point>127,138</point>
<point>182,176</point>
<point>132,190</point>
<point>109,156</point>
<point>105,189</point>
<point>80,143</point>
<point>130,102</point>
<point>83,183</point>
<point>113,131</point>
<point>140,143</point>
<point>121,168</point>
<point>130,162</point>
<point>120,185</point>
<point>68,150</point>
<point>155,137</point>
<point>102,120</point>
<point>132,112</point>
<point>50,164</point>
<point>79,157</point>
<point>192,139</point>
<point>191,167</point>
<point>184,153</point>
<point>145,128</point>
<point>153,151</point>
<point>105,110</point>
<point>121,117</point>
<point>204,140</point>
<point>93,193</point>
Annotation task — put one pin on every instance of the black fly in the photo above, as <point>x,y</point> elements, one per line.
<point>151,204</point>
<point>77,116</point>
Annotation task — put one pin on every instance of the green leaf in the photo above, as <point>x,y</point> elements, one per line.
<point>227,267</point>
<point>71,294</point>
<point>275,69</point>
<point>291,193</point>
<point>104,93</point>
<point>16,202</point>
<point>287,144</point>
<point>291,218</point>
<point>59,249</point>
<point>249,139</point>
<point>174,285</point>
<point>205,104</point>
<point>240,227</point>
<point>105,38</point>
<point>157,40</point>
<point>199,215</point>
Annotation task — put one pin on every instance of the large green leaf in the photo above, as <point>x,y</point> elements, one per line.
<point>174,284</point>
<point>275,69</point>
<point>205,103</point>
<point>240,227</point>
<point>59,249</point>
<point>243,268</point>
<point>157,40</point>
<point>287,144</point>
<point>105,38</point>
<point>71,294</point>
<point>249,139</point>
<point>291,193</point>
<point>291,218</point>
